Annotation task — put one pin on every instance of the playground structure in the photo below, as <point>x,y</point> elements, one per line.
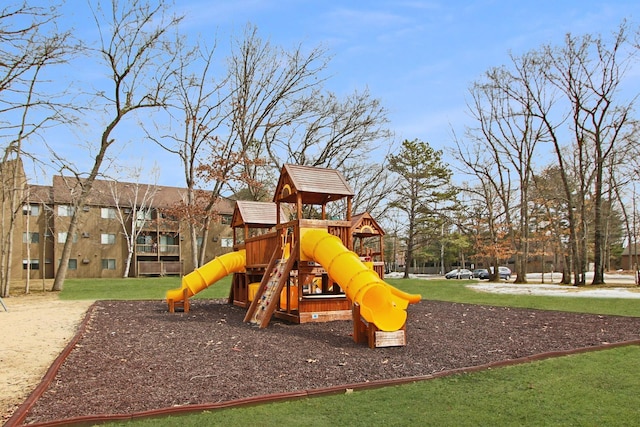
<point>291,261</point>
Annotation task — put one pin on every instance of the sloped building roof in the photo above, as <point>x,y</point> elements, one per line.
<point>40,194</point>
<point>103,191</point>
<point>633,249</point>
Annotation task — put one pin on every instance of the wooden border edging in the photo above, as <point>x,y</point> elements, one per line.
<point>21,413</point>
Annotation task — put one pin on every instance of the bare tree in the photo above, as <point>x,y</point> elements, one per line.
<point>333,133</point>
<point>132,200</point>
<point>345,135</point>
<point>134,51</point>
<point>372,183</point>
<point>14,186</point>
<point>198,111</point>
<point>502,107</point>
<point>281,113</point>
<point>550,212</point>
<point>590,73</point>
<point>495,188</point>
<point>573,90</point>
<point>270,88</point>
<point>29,44</point>
<point>623,185</point>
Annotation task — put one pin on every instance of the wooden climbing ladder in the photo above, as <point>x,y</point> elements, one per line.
<point>265,300</point>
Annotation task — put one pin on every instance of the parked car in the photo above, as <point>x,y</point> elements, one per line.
<point>459,273</point>
<point>504,272</point>
<point>478,271</point>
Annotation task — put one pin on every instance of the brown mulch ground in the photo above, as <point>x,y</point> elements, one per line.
<point>135,356</point>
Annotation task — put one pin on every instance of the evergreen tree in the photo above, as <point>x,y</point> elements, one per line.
<point>423,189</point>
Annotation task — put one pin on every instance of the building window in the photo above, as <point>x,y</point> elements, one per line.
<point>168,245</point>
<point>225,219</point>
<point>108,213</point>
<point>108,264</point>
<point>33,265</point>
<point>30,237</point>
<point>226,242</point>
<point>62,237</point>
<point>143,216</point>
<point>65,210</point>
<point>33,210</point>
<point>107,239</point>
<point>73,263</point>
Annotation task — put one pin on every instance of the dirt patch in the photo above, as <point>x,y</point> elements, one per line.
<point>135,356</point>
<point>35,329</point>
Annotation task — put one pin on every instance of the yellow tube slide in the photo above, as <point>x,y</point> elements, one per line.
<point>201,278</point>
<point>380,303</point>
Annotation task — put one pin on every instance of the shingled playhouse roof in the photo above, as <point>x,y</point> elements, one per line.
<point>316,185</point>
<point>255,214</point>
<point>365,225</point>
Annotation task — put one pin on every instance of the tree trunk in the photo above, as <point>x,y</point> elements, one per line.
<point>599,236</point>
<point>407,262</point>
<point>409,254</point>
<point>131,238</point>
<point>63,267</point>
<point>15,195</point>
<point>127,264</point>
<point>6,258</point>
<point>203,248</point>
<point>193,235</point>
<point>28,278</point>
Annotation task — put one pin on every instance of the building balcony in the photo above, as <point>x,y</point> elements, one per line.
<point>163,225</point>
<point>162,250</point>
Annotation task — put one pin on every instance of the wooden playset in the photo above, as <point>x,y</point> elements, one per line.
<point>291,261</point>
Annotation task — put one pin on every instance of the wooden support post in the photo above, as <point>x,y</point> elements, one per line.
<point>359,325</point>
<point>365,332</point>
<point>184,304</point>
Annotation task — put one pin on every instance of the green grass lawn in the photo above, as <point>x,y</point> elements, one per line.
<point>145,288</point>
<point>591,389</point>
<point>456,291</point>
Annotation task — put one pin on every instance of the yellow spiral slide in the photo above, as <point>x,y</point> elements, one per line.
<point>380,303</point>
<point>203,277</point>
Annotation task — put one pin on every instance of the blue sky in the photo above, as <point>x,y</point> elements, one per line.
<point>417,57</point>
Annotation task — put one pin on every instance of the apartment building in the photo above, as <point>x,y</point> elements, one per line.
<point>162,245</point>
